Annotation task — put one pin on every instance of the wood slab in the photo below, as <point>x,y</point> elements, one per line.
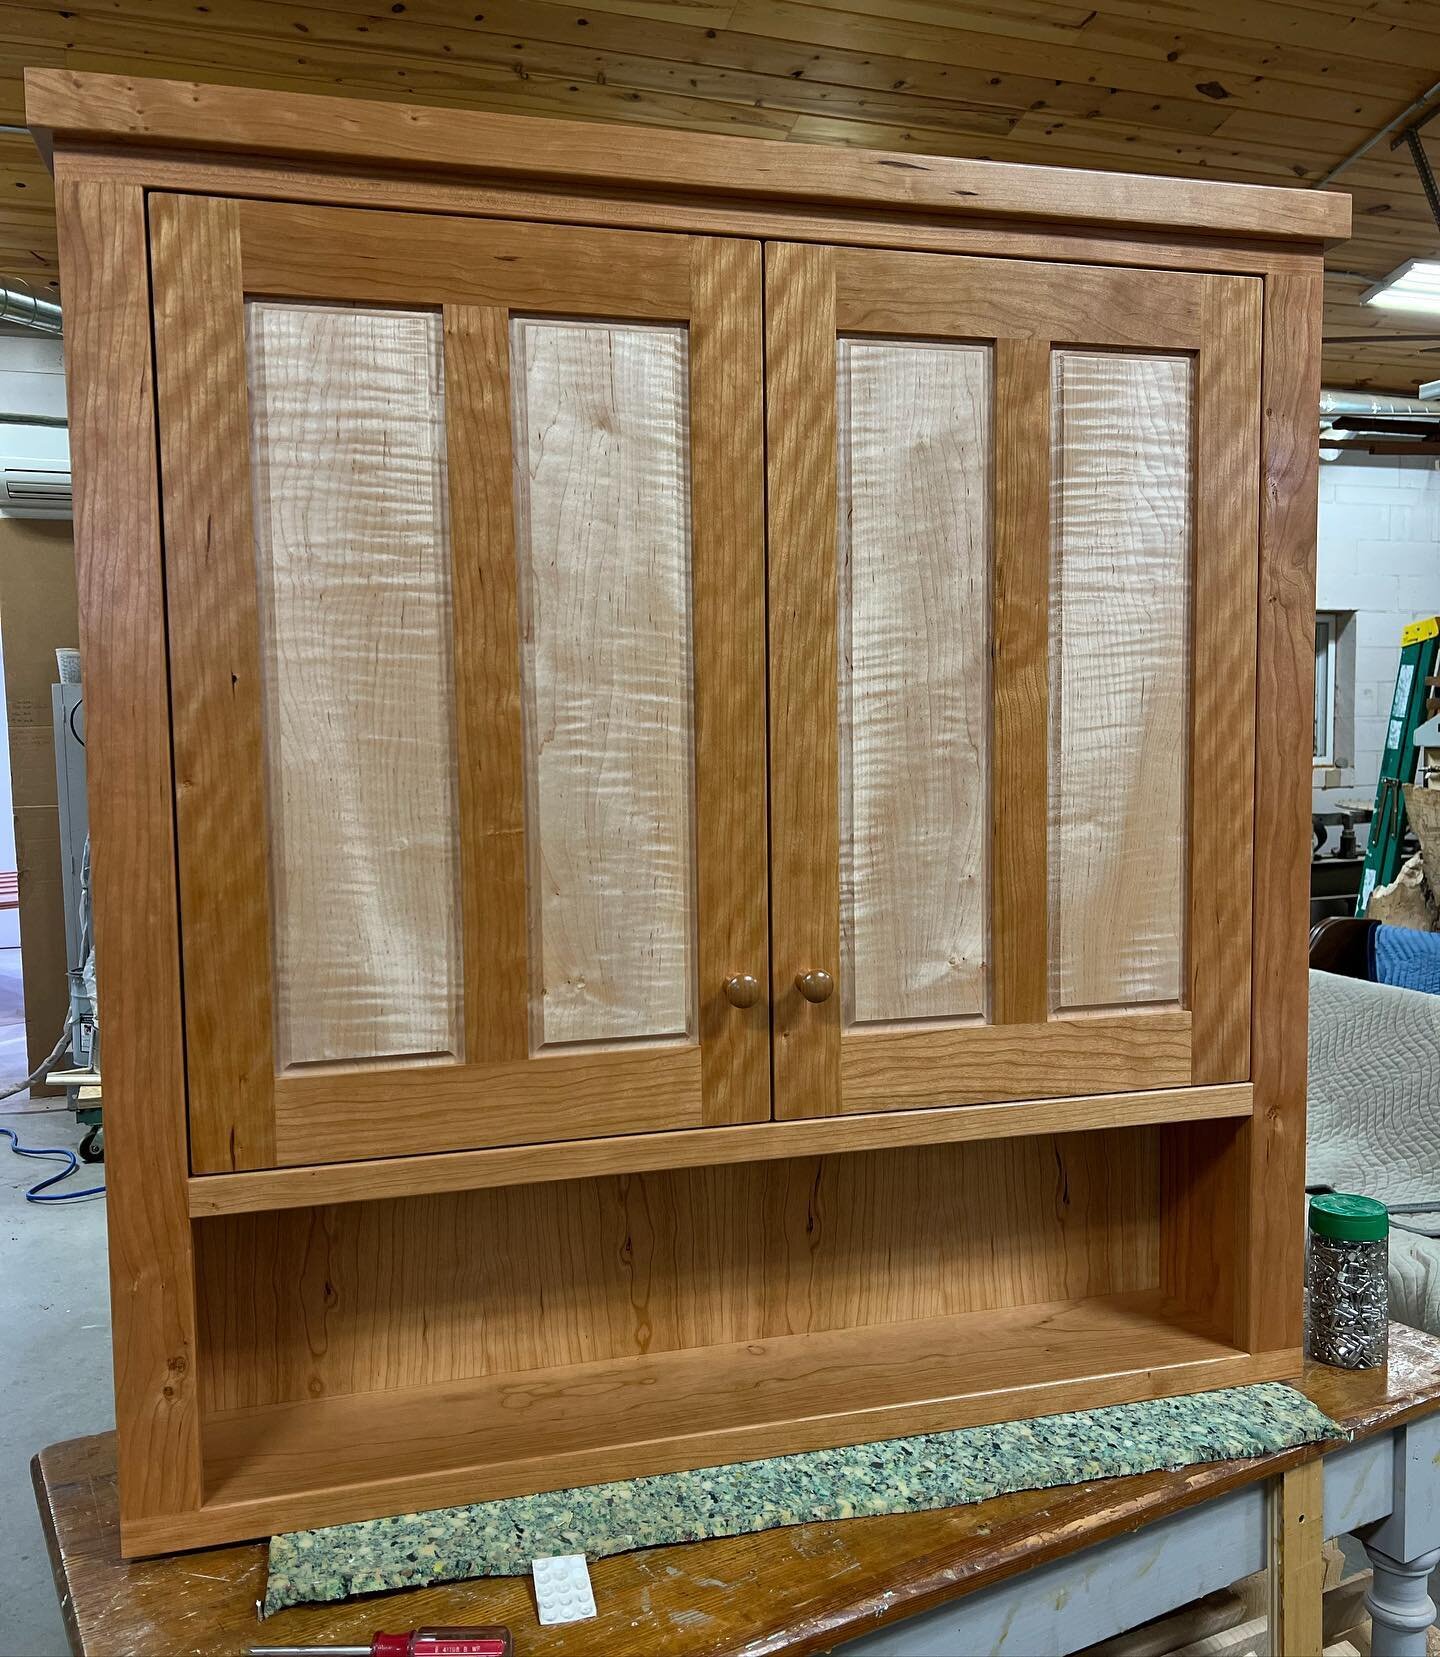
<point>794,1591</point>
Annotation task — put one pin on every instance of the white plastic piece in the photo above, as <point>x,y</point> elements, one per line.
<point>562,1589</point>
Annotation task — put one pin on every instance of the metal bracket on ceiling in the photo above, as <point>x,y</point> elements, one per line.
<point>1410,136</point>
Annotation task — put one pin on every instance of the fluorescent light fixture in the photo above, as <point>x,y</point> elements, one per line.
<point>1415,286</point>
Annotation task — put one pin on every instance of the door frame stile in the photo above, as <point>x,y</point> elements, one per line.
<point>1020,682</point>
<point>804,671</point>
<point>222,830</point>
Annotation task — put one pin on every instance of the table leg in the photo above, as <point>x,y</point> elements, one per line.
<point>1399,1603</point>
<point>1297,1561</point>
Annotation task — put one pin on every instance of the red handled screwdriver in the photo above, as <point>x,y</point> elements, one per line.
<point>493,1641</point>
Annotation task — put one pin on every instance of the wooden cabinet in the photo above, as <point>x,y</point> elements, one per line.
<point>698,785</point>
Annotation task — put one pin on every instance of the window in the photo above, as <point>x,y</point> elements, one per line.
<point>1327,632</point>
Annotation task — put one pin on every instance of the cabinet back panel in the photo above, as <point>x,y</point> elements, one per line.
<point>365,1296</point>
<point>603,525</point>
<point>913,542</point>
<point>1121,505</point>
<point>349,472</point>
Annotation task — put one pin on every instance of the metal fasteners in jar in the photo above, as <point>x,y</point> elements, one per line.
<point>1347,1288</point>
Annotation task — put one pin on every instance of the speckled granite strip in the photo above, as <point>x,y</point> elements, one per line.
<point>899,1475</point>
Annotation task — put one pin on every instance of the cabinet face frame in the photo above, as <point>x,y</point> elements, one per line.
<point>247,1108</point>
<point>1233,1236</point>
<point>1021,315</point>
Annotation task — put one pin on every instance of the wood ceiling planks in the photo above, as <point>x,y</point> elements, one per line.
<point>1264,91</point>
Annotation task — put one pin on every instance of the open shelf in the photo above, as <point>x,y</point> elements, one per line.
<point>330,1459</point>
<point>638,1153</point>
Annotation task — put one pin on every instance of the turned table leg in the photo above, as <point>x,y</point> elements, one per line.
<point>1399,1602</point>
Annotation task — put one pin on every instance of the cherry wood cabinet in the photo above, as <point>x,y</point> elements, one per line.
<point>698,789</point>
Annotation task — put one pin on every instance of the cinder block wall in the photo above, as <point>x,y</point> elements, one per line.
<point>1379,568</point>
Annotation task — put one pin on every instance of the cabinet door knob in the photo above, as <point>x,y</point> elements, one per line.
<point>814,986</point>
<point>742,989</point>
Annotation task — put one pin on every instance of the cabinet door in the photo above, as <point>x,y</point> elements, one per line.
<point>465,574</point>
<point>1013,553</point>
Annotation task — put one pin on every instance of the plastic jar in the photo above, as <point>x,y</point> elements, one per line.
<point>1347,1281</point>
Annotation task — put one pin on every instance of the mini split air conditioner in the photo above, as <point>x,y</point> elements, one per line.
<point>35,489</point>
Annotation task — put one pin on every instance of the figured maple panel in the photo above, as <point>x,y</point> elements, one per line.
<point>353,558</point>
<point>913,542</point>
<point>603,531</point>
<point>1119,671</point>
<point>522,1278</point>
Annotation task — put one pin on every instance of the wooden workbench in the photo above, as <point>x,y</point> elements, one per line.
<point>810,1588</point>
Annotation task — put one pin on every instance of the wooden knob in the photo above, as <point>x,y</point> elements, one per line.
<point>742,990</point>
<point>814,986</point>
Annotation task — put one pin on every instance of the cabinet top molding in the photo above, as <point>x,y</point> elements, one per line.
<point>69,108</point>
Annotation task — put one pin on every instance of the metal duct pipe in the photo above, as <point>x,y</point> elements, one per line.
<point>1334,403</point>
<point>29,310</point>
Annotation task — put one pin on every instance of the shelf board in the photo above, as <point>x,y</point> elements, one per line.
<point>327,1460</point>
<point>336,1182</point>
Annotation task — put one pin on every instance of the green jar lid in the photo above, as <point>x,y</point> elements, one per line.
<point>1348,1218</point>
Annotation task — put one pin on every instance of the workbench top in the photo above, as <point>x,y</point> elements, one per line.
<point>794,1591</point>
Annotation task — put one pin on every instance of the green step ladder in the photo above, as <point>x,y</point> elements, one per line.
<point>1419,650</point>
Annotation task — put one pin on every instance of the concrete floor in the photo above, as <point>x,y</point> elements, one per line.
<point>54,1347</point>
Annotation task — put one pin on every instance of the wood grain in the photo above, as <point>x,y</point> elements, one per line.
<point>1222,103</point>
<point>264,179</point>
<point>732,850</point>
<point>1271,1265</point>
<point>485,626</point>
<point>801,1590</point>
<point>1204,1207</point>
<point>1120,616</point>
<point>326,1112</point>
<point>1020,677</point>
<point>122,637</point>
<point>602,439</point>
<point>672,1286</point>
<point>804,676</point>
<point>914,646</point>
<point>352,549</point>
<point>289,251</point>
<point>217,680</point>
<point>416,1448</point>
<point>483,1100</point>
<point>167,113</point>
<point>506,1281</point>
<point>882,292</point>
<point>1222,699</point>
<point>1296,1545</point>
<point>894,1069</point>
<point>311,1183</point>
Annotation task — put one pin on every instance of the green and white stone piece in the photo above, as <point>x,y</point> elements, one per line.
<point>898,1475</point>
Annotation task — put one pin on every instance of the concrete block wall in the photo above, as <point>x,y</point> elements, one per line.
<point>1379,567</point>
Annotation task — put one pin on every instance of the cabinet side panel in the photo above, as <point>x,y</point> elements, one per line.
<point>1272,1266</point>
<point>1121,508</point>
<point>349,467</point>
<point>514,1279</point>
<point>603,527</point>
<point>103,265</point>
<point>913,537</point>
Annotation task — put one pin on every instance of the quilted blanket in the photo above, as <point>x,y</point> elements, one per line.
<point>1374,1121</point>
